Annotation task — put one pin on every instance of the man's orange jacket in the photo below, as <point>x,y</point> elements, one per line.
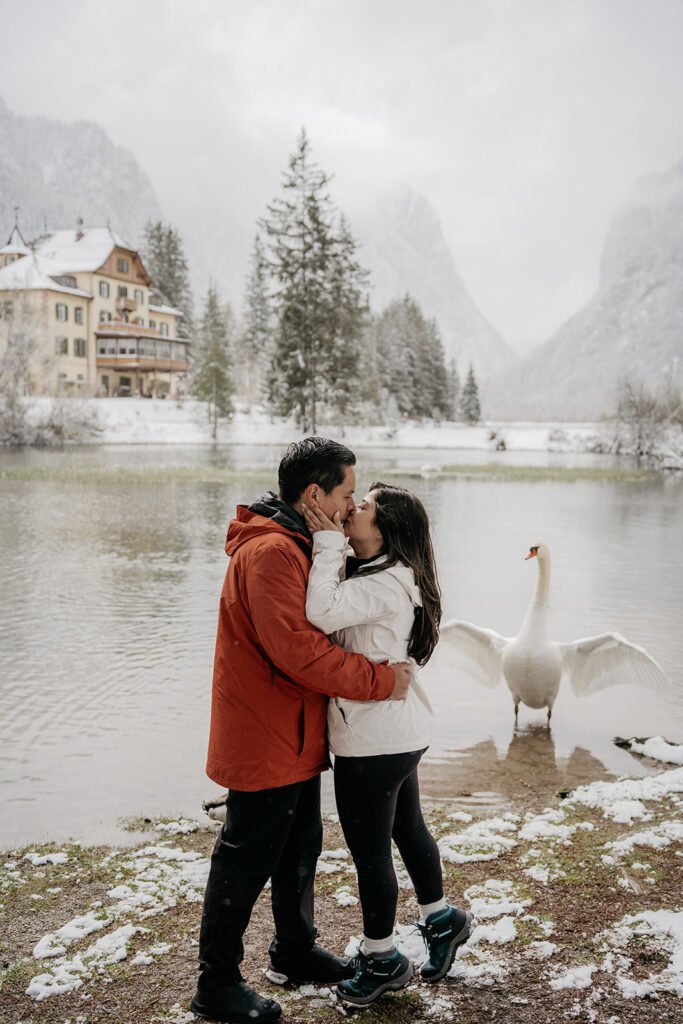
<point>273,671</point>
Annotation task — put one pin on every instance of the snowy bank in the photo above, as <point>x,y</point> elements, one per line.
<point>164,421</point>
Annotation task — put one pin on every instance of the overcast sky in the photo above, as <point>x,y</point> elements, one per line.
<point>523,122</point>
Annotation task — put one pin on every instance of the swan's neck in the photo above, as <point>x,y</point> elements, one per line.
<point>540,598</point>
<point>536,620</point>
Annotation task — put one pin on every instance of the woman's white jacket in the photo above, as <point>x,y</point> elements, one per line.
<point>371,615</point>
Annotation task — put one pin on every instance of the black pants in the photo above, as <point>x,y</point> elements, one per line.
<point>272,833</point>
<point>378,799</point>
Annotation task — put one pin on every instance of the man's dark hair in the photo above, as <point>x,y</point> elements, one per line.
<point>315,460</point>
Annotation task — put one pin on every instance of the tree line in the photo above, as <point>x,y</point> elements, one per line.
<point>308,344</point>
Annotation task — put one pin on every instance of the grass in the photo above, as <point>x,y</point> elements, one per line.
<point>64,472</point>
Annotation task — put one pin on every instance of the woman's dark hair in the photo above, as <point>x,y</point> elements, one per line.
<point>315,460</point>
<point>403,522</point>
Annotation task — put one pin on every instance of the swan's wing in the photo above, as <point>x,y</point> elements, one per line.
<point>597,662</point>
<point>472,649</point>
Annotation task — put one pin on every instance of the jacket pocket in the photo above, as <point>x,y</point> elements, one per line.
<point>302,729</point>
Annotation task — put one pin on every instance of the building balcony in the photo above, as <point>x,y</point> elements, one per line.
<point>126,305</point>
<point>141,364</point>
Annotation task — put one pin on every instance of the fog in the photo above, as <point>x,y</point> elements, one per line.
<point>524,123</point>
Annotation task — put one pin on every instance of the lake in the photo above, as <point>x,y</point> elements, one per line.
<point>112,563</point>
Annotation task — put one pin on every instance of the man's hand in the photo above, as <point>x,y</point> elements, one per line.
<point>403,673</point>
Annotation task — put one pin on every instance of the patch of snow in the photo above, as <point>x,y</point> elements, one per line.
<point>499,933</point>
<point>575,977</point>
<point>181,827</point>
<point>664,928</point>
<point>47,858</point>
<point>659,749</point>
<point>481,841</point>
<point>460,816</point>
<point>345,897</point>
<point>658,837</point>
<point>541,950</point>
<point>617,799</point>
<point>340,854</point>
<point>495,898</point>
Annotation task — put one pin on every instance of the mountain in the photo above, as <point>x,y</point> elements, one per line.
<point>633,326</point>
<point>405,250</point>
<point>56,172</point>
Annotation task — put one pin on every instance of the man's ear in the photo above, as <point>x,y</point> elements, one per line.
<point>311,495</point>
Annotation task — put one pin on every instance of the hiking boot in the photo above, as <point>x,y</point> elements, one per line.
<point>314,965</point>
<point>443,932</point>
<point>234,1004</point>
<point>373,975</point>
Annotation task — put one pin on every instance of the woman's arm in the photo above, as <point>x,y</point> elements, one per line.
<point>332,603</point>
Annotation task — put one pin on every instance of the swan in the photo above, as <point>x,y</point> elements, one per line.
<point>533,665</point>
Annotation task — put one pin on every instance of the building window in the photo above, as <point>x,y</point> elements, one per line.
<point>61,346</point>
<point>61,383</point>
<point>104,289</point>
<point>78,314</point>
<point>123,291</point>
<point>139,296</point>
<point>163,330</point>
<point>122,265</point>
<point>153,325</point>
<point>104,315</point>
<point>105,383</point>
<point>106,347</point>
<point>61,311</point>
<point>9,259</point>
<point>79,347</point>
<point>6,310</point>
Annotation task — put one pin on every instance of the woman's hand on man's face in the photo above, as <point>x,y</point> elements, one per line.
<point>317,520</point>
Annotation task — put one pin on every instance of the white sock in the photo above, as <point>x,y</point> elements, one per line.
<point>426,909</point>
<point>375,947</point>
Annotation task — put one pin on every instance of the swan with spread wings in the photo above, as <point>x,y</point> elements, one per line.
<point>533,666</point>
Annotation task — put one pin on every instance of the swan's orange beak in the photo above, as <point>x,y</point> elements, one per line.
<point>532,554</point>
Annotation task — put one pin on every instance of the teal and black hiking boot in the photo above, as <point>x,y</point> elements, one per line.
<point>443,932</point>
<point>374,975</point>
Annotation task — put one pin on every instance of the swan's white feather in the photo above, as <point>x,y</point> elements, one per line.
<point>472,649</point>
<point>597,662</point>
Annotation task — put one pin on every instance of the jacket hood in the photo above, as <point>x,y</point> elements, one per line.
<point>404,575</point>
<point>266,515</point>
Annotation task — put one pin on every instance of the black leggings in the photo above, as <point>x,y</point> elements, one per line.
<point>378,799</point>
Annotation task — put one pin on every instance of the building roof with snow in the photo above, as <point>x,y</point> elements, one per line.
<point>16,246</point>
<point>33,273</point>
<point>82,249</point>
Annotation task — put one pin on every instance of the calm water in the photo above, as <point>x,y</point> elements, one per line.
<point>108,611</point>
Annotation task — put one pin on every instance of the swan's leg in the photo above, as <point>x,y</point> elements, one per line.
<point>550,711</point>
<point>516,709</point>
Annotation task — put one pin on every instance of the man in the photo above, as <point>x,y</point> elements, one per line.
<point>273,674</point>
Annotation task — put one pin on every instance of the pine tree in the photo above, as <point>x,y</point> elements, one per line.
<point>211,381</point>
<point>469,400</point>
<point>257,334</point>
<point>453,382</point>
<point>316,293</point>
<point>411,360</point>
<point>164,258</point>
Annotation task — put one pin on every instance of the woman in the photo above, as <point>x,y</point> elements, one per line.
<point>384,603</point>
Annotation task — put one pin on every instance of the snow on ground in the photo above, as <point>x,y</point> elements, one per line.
<point>166,421</point>
<point>156,877</point>
<point>623,800</point>
<point>659,749</point>
<point>483,840</point>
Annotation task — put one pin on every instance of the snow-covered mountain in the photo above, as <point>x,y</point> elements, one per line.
<point>56,172</point>
<point>405,250</point>
<point>632,326</point>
